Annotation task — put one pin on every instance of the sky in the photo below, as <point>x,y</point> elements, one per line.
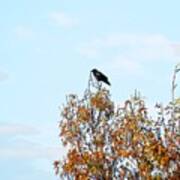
<point>47,49</point>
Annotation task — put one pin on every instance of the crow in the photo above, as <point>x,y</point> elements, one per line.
<point>100,76</point>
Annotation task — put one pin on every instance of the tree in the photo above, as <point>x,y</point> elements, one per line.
<point>109,142</point>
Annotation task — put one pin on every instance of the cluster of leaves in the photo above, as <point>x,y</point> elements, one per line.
<point>109,142</point>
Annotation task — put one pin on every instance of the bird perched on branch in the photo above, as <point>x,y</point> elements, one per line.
<point>100,76</point>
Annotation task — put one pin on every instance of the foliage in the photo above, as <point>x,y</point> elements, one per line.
<point>109,142</point>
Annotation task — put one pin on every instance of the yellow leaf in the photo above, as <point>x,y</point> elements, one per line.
<point>177,101</point>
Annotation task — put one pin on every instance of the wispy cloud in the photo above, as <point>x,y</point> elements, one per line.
<point>23,31</point>
<point>124,65</point>
<point>145,46</point>
<point>62,19</point>
<point>3,76</point>
<point>26,141</point>
<point>88,52</point>
<point>17,129</point>
<point>130,51</point>
<point>29,151</point>
<point>176,49</point>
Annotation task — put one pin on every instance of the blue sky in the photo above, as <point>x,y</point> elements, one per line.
<point>47,49</point>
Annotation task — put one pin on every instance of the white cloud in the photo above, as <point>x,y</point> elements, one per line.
<point>62,19</point>
<point>3,76</point>
<point>123,64</point>
<point>17,129</point>
<point>29,151</point>
<point>115,40</point>
<point>176,49</point>
<point>88,52</point>
<point>23,31</point>
<point>130,52</point>
<point>145,46</point>
<point>37,141</point>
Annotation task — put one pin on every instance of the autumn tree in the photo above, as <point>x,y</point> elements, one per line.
<point>107,142</point>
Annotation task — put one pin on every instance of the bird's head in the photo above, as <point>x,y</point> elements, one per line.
<point>94,70</point>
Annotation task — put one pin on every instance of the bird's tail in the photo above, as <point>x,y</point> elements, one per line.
<point>108,83</point>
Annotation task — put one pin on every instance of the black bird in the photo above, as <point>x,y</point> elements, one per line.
<point>100,76</point>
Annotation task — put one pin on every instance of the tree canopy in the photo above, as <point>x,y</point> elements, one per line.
<point>106,141</point>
